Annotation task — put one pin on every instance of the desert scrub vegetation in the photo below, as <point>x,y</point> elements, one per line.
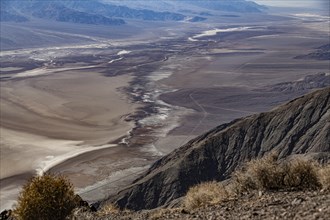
<point>301,174</point>
<point>268,173</point>
<point>207,193</point>
<point>108,209</point>
<point>46,197</point>
<point>324,176</point>
<point>264,174</point>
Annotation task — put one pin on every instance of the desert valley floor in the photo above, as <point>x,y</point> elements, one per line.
<point>102,112</point>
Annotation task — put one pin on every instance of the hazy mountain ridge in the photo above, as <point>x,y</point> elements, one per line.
<point>230,6</point>
<point>7,16</point>
<point>86,12</point>
<point>7,13</point>
<point>113,12</point>
<point>64,14</point>
<point>57,11</point>
<point>173,5</point>
<point>122,11</point>
<point>298,127</point>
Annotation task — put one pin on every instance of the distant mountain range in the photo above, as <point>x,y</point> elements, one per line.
<point>180,5</point>
<point>229,5</point>
<point>112,12</point>
<point>59,12</point>
<point>7,16</point>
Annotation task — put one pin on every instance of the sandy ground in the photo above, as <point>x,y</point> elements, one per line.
<point>48,119</point>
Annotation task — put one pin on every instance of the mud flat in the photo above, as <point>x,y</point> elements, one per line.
<point>78,119</point>
<point>230,76</point>
<point>49,119</point>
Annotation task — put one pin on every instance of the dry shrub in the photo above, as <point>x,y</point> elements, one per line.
<point>207,193</point>
<point>46,197</point>
<point>158,214</point>
<point>324,177</point>
<point>264,173</point>
<point>268,174</point>
<point>82,213</point>
<point>108,209</point>
<point>301,174</point>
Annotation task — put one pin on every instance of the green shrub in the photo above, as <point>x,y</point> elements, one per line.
<point>46,197</point>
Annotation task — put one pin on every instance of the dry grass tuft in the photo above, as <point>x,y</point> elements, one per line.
<point>108,209</point>
<point>264,173</point>
<point>324,177</point>
<point>269,174</point>
<point>207,193</point>
<point>158,214</point>
<point>82,213</point>
<point>300,174</point>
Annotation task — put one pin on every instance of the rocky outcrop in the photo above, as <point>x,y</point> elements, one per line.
<point>6,215</point>
<point>298,127</point>
<point>309,82</point>
<point>322,53</point>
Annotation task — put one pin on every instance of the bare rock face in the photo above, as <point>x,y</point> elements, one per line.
<point>298,127</point>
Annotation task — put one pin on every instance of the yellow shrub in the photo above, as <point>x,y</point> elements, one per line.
<point>205,194</point>
<point>269,174</point>
<point>264,173</point>
<point>108,209</point>
<point>301,174</point>
<point>46,197</point>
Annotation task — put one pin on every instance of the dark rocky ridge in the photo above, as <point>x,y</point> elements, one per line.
<point>322,53</point>
<point>320,80</point>
<point>298,127</point>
